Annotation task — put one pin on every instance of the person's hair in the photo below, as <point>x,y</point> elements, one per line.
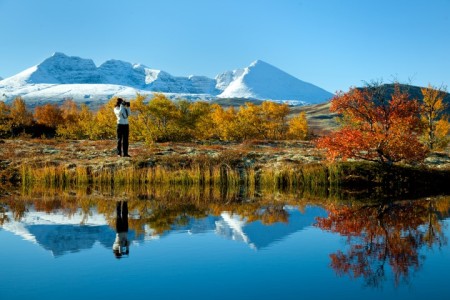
<point>117,254</point>
<point>118,102</point>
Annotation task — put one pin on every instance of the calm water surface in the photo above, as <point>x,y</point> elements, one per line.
<point>272,248</point>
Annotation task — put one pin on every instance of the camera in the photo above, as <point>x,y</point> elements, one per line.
<point>125,103</point>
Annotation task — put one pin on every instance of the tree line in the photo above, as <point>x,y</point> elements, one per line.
<point>158,119</point>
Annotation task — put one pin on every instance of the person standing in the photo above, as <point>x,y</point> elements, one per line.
<point>122,111</point>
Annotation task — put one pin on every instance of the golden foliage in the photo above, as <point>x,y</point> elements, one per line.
<point>161,120</point>
<point>104,125</point>
<point>14,118</point>
<point>436,125</point>
<point>298,127</point>
<point>71,128</point>
<point>5,117</point>
<point>49,115</point>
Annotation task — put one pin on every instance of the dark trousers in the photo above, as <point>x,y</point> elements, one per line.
<point>122,216</point>
<point>123,131</point>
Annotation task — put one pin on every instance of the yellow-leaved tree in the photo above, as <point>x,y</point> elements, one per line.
<point>251,122</point>
<point>435,122</point>
<point>71,128</point>
<point>86,122</point>
<point>226,127</point>
<point>298,127</point>
<point>158,120</point>
<point>104,121</point>
<point>5,117</point>
<point>203,126</point>
<point>164,116</point>
<point>142,128</point>
<point>20,116</point>
<point>275,120</point>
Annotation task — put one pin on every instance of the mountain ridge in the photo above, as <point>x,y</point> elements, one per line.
<point>70,76</point>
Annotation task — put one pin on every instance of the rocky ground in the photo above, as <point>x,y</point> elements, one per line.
<point>97,154</point>
<point>38,153</point>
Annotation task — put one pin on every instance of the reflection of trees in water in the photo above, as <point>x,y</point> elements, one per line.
<point>381,236</point>
<point>158,208</point>
<point>385,235</point>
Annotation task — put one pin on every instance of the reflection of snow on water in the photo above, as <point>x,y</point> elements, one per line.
<point>231,226</point>
<point>33,217</point>
<point>61,233</point>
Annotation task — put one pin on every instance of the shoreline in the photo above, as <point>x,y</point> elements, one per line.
<point>279,164</point>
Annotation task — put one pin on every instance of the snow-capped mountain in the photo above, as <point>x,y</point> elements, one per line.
<point>60,76</point>
<point>263,81</point>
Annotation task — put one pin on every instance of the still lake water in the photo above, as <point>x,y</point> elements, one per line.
<point>185,247</point>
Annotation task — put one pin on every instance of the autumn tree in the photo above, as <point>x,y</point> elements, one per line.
<point>164,115</point>
<point>383,235</point>
<point>49,115</point>
<point>104,121</point>
<point>250,121</point>
<point>86,123</point>
<point>298,127</point>
<point>375,127</point>
<point>142,129</point>
<point>155,120</point>
<point>275,120</point>
<point>5,118</point>
<point>19,116</point>
<point>201,112</point>
<point>193,119</point>
<point>73,127</point>
<point>436,124</point>
<point>225,123</point>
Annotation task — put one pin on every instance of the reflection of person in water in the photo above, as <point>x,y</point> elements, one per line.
<point>121,244</point>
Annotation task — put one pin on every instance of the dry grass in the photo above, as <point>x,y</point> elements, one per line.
<point>254,164</point>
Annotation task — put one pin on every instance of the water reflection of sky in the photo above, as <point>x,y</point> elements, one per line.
<point>220,257</point>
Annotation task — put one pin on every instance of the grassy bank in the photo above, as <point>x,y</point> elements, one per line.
<point>369,179</point>
<point>250,166</point>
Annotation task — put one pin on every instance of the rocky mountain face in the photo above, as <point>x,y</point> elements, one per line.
<point>70,76</point>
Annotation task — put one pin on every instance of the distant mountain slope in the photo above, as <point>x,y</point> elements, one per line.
<point>413,91</point>
<point>321,120</point>
<point>61,76</point>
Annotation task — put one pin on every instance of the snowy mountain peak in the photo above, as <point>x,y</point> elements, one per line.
<point>263,81</point>
<point>121,73</point>
<point>62,69</point>
<point>61,76</point>
<point>59,55</point>
<point>258,62</point>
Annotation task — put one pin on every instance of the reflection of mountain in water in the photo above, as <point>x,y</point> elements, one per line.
<point>62,234</point>
<point>62,239</point>
<point>260,236</point>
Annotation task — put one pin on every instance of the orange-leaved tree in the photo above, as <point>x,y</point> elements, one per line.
<point>375,127</point>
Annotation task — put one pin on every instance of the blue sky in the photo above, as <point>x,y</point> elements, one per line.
<point>333,44</point>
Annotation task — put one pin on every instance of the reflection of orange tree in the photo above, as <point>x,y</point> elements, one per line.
<point>383,234</point>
